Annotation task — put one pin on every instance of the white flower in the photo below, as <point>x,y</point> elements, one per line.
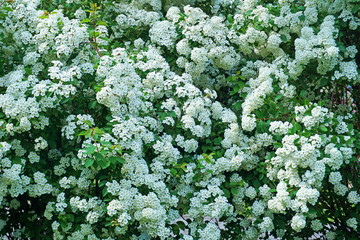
<point>298,222</point>
<point>163,33</point>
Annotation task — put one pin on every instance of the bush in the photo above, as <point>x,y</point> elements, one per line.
<point>151,119</point>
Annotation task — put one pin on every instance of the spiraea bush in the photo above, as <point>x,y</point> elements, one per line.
<point>149,119</point>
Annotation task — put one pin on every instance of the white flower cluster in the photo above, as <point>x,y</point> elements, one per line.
<point>211,232</point>
<point>83,122</point>
<point>163,33</point>
<point>280,127</point>
<point>213,112</point>
<point>318,115</point>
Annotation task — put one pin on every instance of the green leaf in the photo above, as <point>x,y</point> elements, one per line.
<point>89,162</point>
<point>75,82</point>
<point>302,17</point>
<point>7,9</point>
<point>121,160</point>
<point>181,225</point>
<point>262,127</point>
<point>324,82</point>
<point>278,97</point>
<point>324,129</point>
<point>241,84</point>
<point>106,39</point>
<point>342,48</point>
<point>104,192</point>
<point>98,156</point>
<point>273,107</point>
<point>104,163</point>
<point>96,137</point>
<point>247,13</point>
<point>28,71</point>
<point>91,149</point>
<point>102,23</point>
<point>92,104</point>
<point>302,93</point>
<point>98,131</point>
<point>85,20</point>
<point>277,145</point>
<point>106,143</point>
<point>297,127</point>
<point>301,8</point>
<point>113,160</point>
<point>231,78</point>
<point>235,90</point>
<point>118,151</point>
<point>87,122</point>
<point>44,16</point>
<point>60,24</point>
<point>237,105</point>
<point>257,183</point>
<point>218,140</point>
<point>260,114</point>
<point>283,38</point>
<point>226,192</point>
<point>230,18</point>
<point>103,182</point>
<point>70,217</point>
<point>293,193</point>
<point>88,133</point>
<point>94,34</point>
<point>355,9</point>
<point>173,171</point>
<point>231,184</point>
<point>234,190</point>
<point>104,151</point>
<point>63,223</point>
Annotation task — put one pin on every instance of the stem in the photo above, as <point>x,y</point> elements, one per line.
<point>2,3</point>
<point>95,48</point>
<point>332,97</point>
<point>89,190</point>
<point>184,218</point>
<point>337,208</point>
<point>218,226</point>
<point>97,188</point>
<point>94,26</point>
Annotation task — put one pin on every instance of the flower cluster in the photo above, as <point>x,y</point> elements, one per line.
<point>190,119</point>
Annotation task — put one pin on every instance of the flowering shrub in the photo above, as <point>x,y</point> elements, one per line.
<point>149,119</point>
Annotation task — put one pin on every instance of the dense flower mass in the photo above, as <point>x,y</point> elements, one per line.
<point>187,119</point>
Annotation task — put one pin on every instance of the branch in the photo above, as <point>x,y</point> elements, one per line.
<point>94,26</point>
<point>2,3</point>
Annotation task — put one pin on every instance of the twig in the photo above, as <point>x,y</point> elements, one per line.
<point>2,3</point>
<point>183,218</point>
<point>96,48</point>
<point>332,97</point>
<point>218,225</point>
